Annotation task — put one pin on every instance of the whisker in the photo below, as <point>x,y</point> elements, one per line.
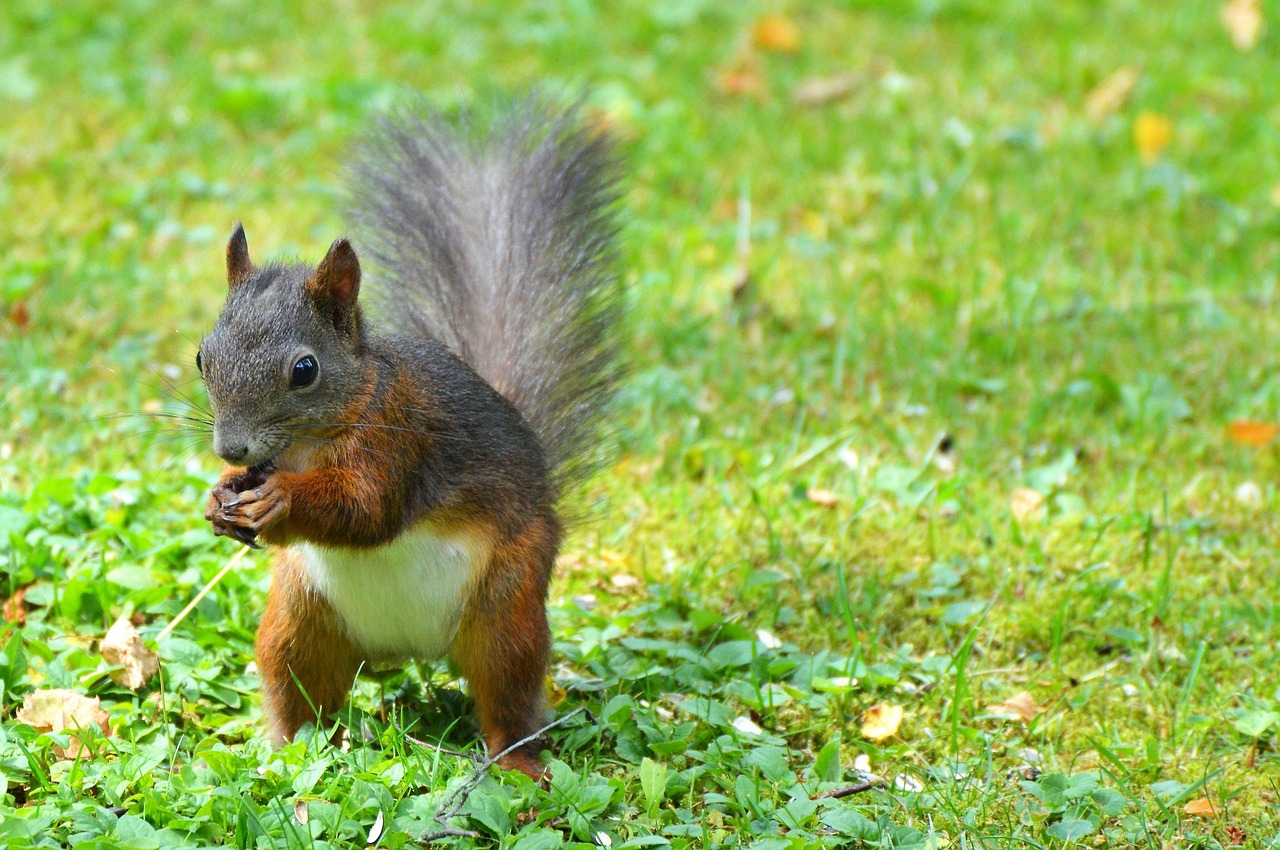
<point>158,414</point>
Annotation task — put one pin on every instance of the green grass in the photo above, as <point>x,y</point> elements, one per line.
<point>954,248</point>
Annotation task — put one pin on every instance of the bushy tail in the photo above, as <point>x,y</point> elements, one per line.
<point>497,239</point>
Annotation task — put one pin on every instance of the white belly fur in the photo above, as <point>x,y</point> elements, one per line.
<point>402,599</point>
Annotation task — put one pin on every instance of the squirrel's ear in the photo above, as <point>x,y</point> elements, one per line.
<point>239,266</point>
<point>336,282</point>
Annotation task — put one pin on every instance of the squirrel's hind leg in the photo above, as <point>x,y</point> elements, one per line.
<point>301,642</point>
<point>503,644</point>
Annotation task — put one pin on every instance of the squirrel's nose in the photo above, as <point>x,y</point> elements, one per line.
<point>234,453</point>
<point>228,447</point>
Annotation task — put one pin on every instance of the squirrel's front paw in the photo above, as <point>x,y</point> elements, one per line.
<point>227,491</point>
<point>254,511</point>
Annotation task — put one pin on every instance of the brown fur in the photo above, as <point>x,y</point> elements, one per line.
<point>496,252</point>
<point>301,642</point>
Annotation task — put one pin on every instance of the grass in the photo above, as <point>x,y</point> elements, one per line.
<point>954,248</point>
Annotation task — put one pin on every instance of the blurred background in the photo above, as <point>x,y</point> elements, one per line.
<point>935,305</point>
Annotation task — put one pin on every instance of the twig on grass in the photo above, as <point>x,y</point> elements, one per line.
<point>456,800</point>
<point>848,790</point>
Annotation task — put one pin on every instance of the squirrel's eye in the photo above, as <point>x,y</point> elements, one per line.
<point>304,372</point>
<point>199,364</point>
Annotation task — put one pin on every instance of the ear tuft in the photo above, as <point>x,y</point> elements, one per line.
<point>239,266</point>
<point>336,284</point>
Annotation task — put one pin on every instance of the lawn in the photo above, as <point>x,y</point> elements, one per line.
<point>951,375</point>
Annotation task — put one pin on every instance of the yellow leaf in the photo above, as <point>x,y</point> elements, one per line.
<point>1021,705</point>
<point>1202,807</point>
<point>123,647</point>
<point>58,710</point>
<point>1152,134</point>
<point>1109,96</point>
<point>1243,22</point>
<point>881,721</point>
<point>555,693</point>
<point>776,34</point>
<point>1252,433</point>
<point>1026,503</point>
<point>825,498</point>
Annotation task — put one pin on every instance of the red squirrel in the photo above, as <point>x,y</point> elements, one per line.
<point>405,468</point>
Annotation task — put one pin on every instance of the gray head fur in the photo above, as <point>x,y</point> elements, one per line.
<point>274,317</point>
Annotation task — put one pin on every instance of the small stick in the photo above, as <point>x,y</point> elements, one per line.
<point>204,591</point>
<point>848,790</point>
<point>455,801</point>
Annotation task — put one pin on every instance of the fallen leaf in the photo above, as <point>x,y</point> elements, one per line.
<point>740,80</point>
<point>768,639</point>
<point>1252,433</point>
<point>123,646</point>
<point>555,693</point>
<point>1202,807</point>
<point>300,812</point>
<point>776,34</point>
<point>1152,133</point>
<point>20,315</point>
<point>881,721</point>
<point>1026,503</point>
<point>825,498</point>
<point>1236,836</point>
<point>15,608</point>
<point>1242,20</point>
<point>622,581</point>
<point>747,726</point>
<point>819,91</point>
<point>1249,494</point>
<point>59,710</point>
<point>375,831</point>
<point>1109,96</point>
<point>1021,705</point>
<point>907,782</point>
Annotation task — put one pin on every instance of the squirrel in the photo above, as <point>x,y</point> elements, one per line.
<point>407,468</point>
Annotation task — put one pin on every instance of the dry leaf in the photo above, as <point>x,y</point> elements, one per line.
<point>555,693</point>
<point>1026,503</point>
<point>825,498</point>
<point>776,34</point>
<point>768,639</point>
<point>1021,705</point>
<point>20,315</point>
<point>123,646</point>
<point>1152,133</point>
<point>15,608</point>
<point>375,831</point>
<point>740,80</point>
<point>1252,433</point>
<point>1109,96</point>
<point>818,91</point>
<point>622,581</point>
<point>1249,494</point>
<point>300,812</point>
<point>881,721</point>
<point>59,710</point>
<point>1243,22</point>
<point>1202,807</point>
